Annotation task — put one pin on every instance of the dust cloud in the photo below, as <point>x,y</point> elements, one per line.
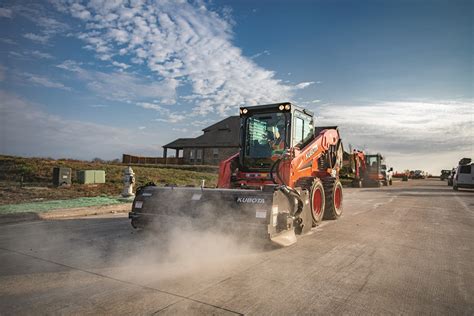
<point>184,254</point>
<point>183,251</point>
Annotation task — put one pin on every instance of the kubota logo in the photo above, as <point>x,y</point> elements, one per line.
<point>253,200</point>
<point>311,151</point>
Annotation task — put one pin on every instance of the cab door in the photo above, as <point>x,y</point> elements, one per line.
<point>303,130</point>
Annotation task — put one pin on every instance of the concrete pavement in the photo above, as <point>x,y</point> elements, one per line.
<point>406,249</point>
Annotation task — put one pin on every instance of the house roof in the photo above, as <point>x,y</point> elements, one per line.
<point>224,133</point>
<point>179,143</point>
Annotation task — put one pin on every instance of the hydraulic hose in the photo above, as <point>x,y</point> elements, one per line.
<point>276,165</point>
<point>276,168</point>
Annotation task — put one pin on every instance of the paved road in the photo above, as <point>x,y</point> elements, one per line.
<point>406,249</point>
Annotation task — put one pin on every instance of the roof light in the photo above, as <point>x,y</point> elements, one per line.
<point>287,107</point>
<point>244,111</point>
<point>281,107</point>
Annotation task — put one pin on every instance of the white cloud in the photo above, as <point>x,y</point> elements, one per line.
<point>49,25</point>
<point>405,130</point>
<point>79,11</point>
<point>27,54</point>
<point>36,38</point>
<point>41,16</point>
<point>70,65</point>
<point>41,54</point>
<point>172,118</point>
<point>27,131</point>
<point>303,85</point>
<point>316,101</point>
<point>167,115</point>
<point>120,65</point>
<point>43,81</point>
<point>5,13</point>
<point>122,86</point>
<point>16,54</point>
<point>265,52</point>
<point>184,43</point>
<point>8,41</point>
<point>181,130</point>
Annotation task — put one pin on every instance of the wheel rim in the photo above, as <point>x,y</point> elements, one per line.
<point>317,203</point>
<point>338,197</point>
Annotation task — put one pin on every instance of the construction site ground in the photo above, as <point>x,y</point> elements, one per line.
<point>404,249</point>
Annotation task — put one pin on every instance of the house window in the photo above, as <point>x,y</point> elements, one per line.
<point>215,153</point>
<point>199,155</point>
<point>191,155</point>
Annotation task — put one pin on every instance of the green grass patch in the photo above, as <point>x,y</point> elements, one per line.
<point>58,204</point>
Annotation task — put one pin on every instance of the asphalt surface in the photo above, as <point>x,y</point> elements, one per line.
<point>405,249</point>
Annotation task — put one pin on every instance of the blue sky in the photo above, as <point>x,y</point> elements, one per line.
<point>87,79</point>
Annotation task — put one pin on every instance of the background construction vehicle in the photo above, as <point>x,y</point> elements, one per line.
<point>282,182</point>
<point>444,174</point>
<point>374,173</point>
<point>359,167</point>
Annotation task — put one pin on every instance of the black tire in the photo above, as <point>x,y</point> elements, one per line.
<point>333,198</point>
<point>455,188</point>
<point>317,202</point>
<point>385,183</point>
<point>390,182</point>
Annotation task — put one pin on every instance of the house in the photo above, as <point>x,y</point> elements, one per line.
<point>219,141</point>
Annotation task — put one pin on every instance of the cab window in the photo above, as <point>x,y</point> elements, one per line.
<point>303,128</point>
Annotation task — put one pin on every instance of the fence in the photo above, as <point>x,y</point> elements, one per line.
<point>129,159</point>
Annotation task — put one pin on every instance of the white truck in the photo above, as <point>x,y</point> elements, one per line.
<point>387,173</point>
<point>464,177</point>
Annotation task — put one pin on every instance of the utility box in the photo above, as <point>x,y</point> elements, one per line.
<point>99,176</point>
<point>91,176</point>
<point>62,176</point>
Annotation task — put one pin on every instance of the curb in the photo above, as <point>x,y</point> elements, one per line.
<point>65,213</point>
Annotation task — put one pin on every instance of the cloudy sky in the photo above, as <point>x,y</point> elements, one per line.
<point>85,79</point>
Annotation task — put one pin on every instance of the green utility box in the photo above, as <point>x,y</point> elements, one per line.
<point>90,176</point>
<point>62,176</point>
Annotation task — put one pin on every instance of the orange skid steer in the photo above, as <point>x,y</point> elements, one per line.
<point>282,182</point>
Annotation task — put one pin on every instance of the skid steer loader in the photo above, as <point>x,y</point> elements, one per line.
<point>282,182</point>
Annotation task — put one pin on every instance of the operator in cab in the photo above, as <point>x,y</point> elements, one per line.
<point>277,141</point>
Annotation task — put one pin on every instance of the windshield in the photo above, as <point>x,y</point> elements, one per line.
<point>265,137</point>
<point>373,162</point>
